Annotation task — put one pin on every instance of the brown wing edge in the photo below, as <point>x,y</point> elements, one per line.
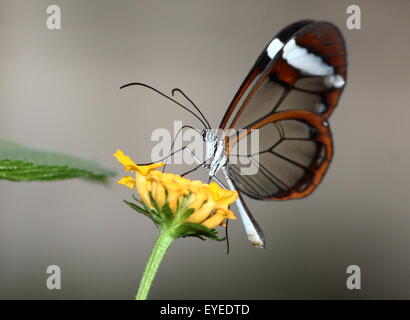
<point>326,40</point>
<point>317,171</point>
<point>244,86</point>
<point>320,37</point>
<point>261,63</point>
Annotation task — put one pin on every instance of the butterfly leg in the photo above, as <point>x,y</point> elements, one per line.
<point>201,163</point>
<point>252,229</point>
<point>194,169</point>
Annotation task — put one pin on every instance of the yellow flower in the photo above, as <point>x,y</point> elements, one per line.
<point>209,202</point>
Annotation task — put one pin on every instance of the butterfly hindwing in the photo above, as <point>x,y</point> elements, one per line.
<point>295,150</point>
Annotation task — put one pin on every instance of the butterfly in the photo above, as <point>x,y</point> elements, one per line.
<point>287,98</point>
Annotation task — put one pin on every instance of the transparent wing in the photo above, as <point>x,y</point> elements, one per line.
<point>295,150</point>
<point>289,98</point>
<point>307,73</point>
<point>261,65</point>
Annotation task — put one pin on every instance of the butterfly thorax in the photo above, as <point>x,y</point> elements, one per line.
<point>215,156</point>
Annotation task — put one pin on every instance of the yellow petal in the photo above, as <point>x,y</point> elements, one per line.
<point>218,218</point>
<point>127,162</point>
<point>143,187</point>
<point>127,181</point>
<point>201,201</point>
<point>176,186</point>
<point>203,213</point>
<point>219,192</point>
<point>223,197</point>
<point>200,196</point>
<point>130,165</point>
<point>158,192</point>
<point>145,169</point>
<point>215,189</point>
<point>227,200</point>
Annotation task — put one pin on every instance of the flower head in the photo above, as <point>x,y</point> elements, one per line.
<point>191,207</point>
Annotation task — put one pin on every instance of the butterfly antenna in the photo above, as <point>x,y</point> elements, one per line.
<point>164,95</point>
<point>175,138</point>
<point>192,103</point>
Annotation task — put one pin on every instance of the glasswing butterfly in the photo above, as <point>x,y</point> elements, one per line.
<point>288,95</point>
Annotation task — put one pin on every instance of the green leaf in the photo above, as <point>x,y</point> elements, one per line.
<point>144,207</point>
<point>19,163</point>
<point>166,210</point>
<point>138,200</point>
<point>154,202</point>
<point>186,214</point>
<point>197,230</point>
<point>136,207</point>
<point>143,211</point>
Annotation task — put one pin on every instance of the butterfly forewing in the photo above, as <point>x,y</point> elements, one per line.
<point>288,98</point>
<point>261,64</point>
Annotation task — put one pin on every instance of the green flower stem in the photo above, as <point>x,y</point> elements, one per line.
<point>161,247</point>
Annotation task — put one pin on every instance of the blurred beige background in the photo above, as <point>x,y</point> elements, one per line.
<point>59,91</point>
